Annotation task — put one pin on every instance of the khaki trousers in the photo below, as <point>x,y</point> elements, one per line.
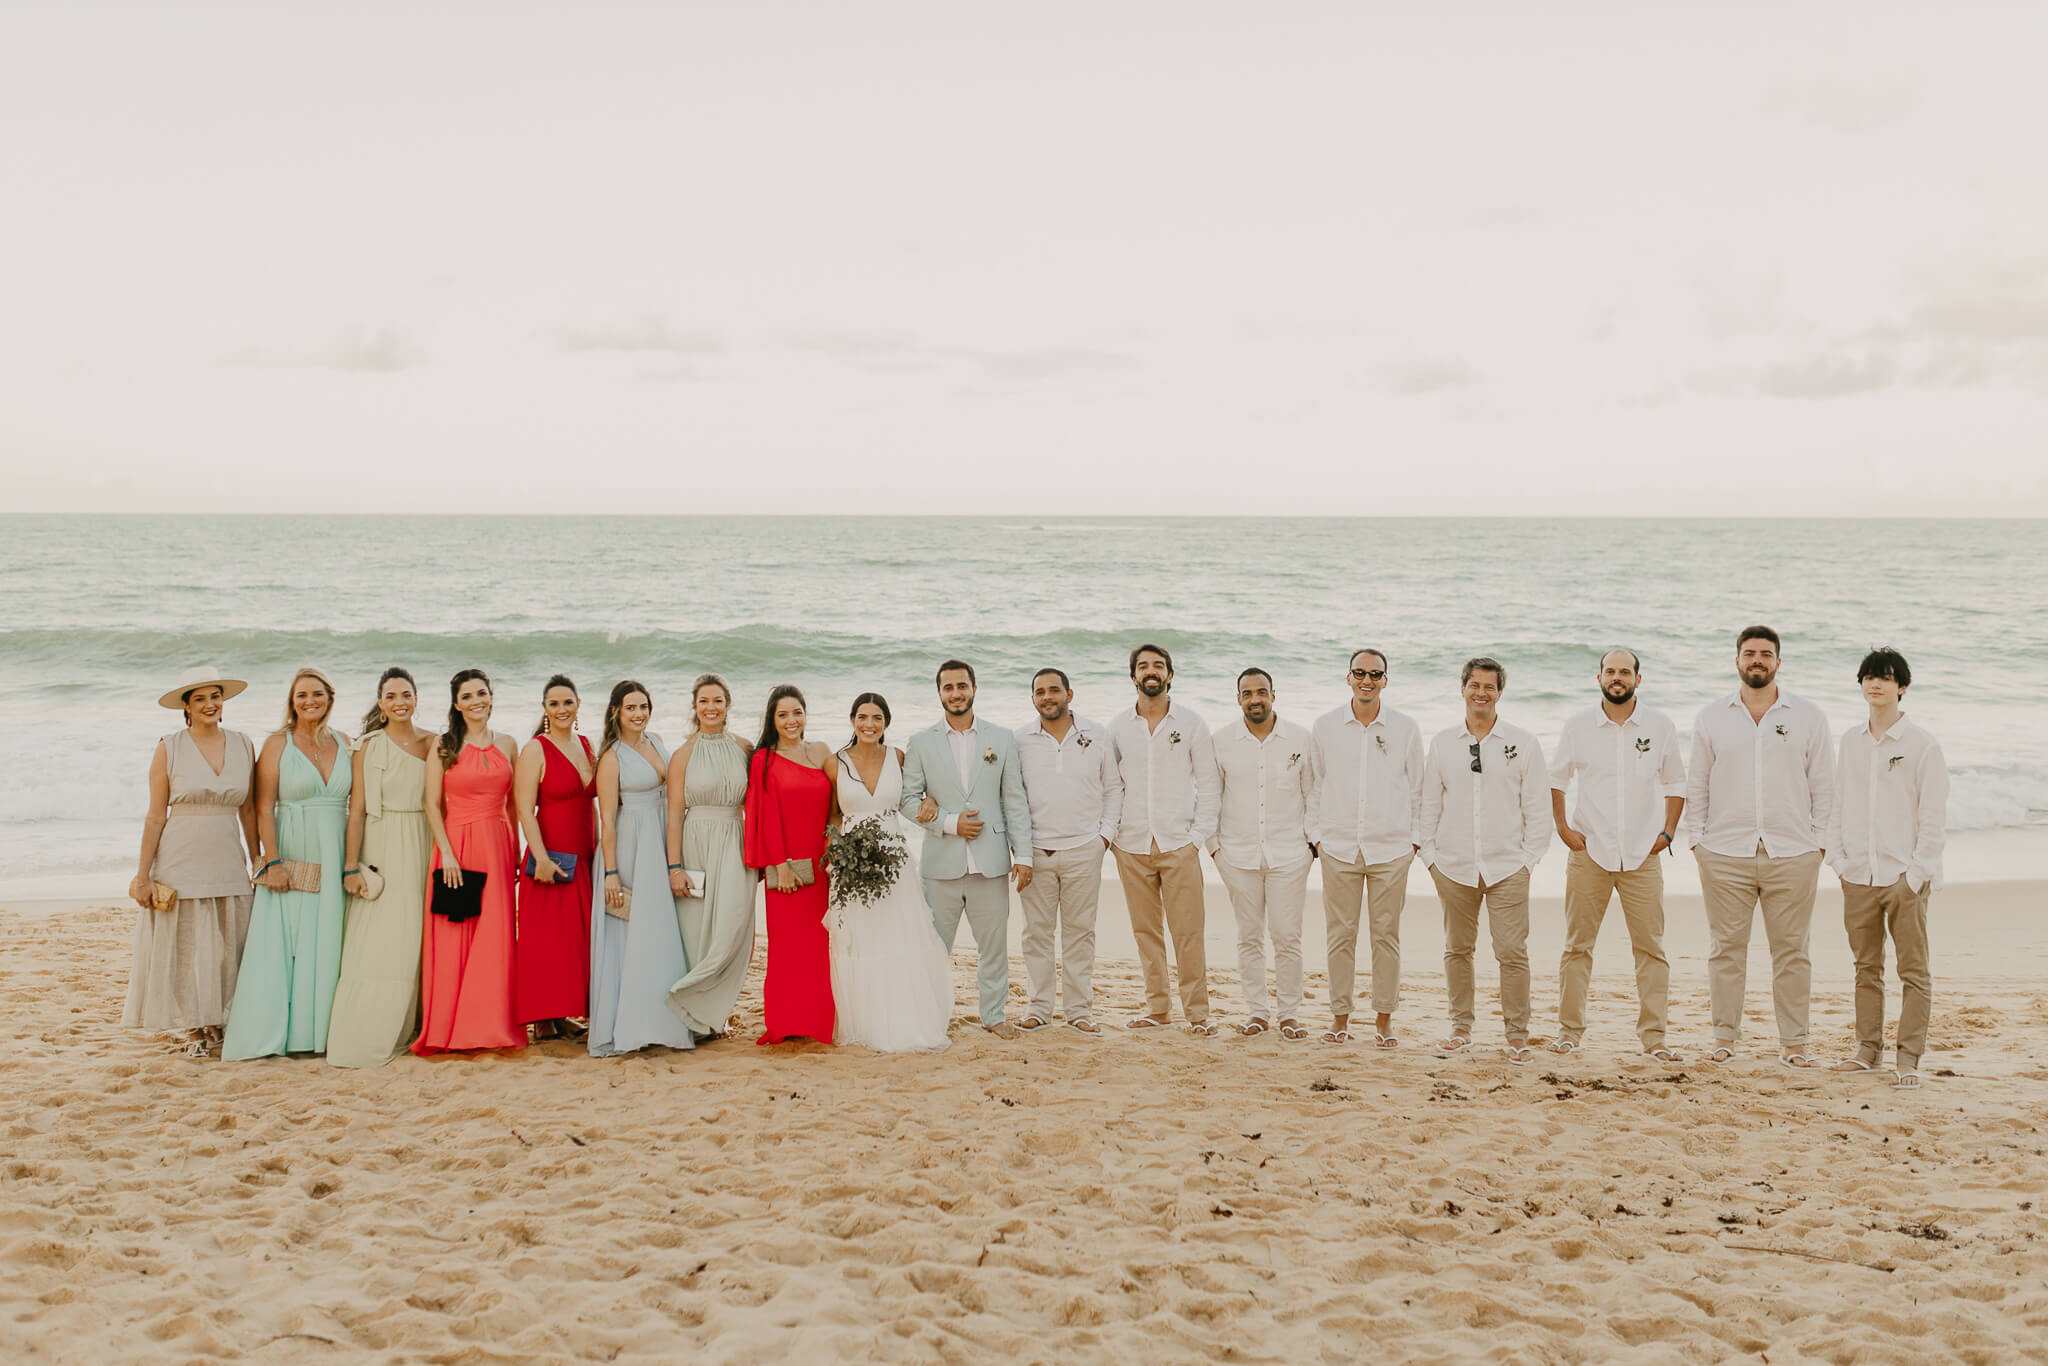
<point>1164,895</point>
<point>1588,888</point>
<point>1381,889</point>
<point>1065,885</point>
<point>1867,913</point>
<point>1268,900</point>
<point>1734,888</point>
<point>1507,912</point>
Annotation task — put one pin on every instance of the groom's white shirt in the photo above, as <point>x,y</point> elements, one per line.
<point>961,742</point>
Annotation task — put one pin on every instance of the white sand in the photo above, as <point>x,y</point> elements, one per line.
<point>1055,1198</point>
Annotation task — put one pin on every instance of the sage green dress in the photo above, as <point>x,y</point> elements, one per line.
<point>718,927</point>
<point>377,1004</point>
<point>284,993</point>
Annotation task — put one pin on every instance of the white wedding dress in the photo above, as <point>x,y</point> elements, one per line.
<point>892,979</point>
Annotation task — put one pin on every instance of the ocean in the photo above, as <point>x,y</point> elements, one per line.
<point>99,614</point>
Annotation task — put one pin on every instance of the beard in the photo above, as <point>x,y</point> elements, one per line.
<point>958,706</point>
<point>1757,676</point>
<point>1257,714</point>
<point>1052,711</point>
<point>1151,687</point>
<point>1618,693</point>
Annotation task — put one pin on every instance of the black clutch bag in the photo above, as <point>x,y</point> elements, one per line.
<point>457,904</point>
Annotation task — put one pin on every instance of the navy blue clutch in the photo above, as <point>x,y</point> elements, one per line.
<point>566,862</point>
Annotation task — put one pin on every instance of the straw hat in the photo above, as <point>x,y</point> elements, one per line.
<point>203,676</point>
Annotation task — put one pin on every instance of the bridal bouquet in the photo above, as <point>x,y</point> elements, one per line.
<point>866,860</point>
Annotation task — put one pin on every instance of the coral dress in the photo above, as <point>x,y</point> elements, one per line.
<point>466,965</point>
<point>787,803</point>
<point>554,917</point>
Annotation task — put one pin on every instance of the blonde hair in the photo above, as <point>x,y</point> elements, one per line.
<point>706,681</point>
<point>291,717</point>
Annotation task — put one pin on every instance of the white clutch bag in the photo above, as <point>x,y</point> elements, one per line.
<point>696,876</point>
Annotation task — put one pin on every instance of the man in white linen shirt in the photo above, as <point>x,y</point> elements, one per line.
<point>1485,822</point>
<point>1076,798</point>
<point>1631,790</point>
<point>1168,766</point>
<point>1759,790</point>
<point>1261,847</point>
<point>1368,761</point>
<point>1884,840</point>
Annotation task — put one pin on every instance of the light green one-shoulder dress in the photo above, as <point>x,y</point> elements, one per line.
<point>718,927</point>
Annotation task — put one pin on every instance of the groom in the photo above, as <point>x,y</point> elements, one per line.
<point>963,784</point>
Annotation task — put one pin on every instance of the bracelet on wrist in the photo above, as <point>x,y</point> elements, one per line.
<point>673,866</point>
<point>350,872</point>
<point>268,866</point>
<point>611,872</point>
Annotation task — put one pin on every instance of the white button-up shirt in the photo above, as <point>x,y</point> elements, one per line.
<point>1625,770</point>
<point>1075,792</point>
<point>1169,781</point>
<point>966,748</point>
<point>1485,826</point>
<point>1769,781</point>
<point>1263,787</point>
<point>1368,785</point>
<point>1891,807</point>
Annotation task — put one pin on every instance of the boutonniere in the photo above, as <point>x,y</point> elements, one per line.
<point>1173,739</point>
<point>988,756</point>
<point>1083,741</point>
<point>1782,731</point>
<point>1293,759</point>
<point>1507,752</point>
<point>1894,762</point>
<point>1643,746</point>
<point>1381,741</point>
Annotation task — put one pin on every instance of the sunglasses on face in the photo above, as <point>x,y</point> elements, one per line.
<point>1475,758</point>
<point>1374,674</point>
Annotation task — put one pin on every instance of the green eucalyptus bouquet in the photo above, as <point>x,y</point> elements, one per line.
<point>866,860</point>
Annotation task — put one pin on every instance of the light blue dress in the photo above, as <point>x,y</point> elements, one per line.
<point>284,993</point>
<point>634,961</point>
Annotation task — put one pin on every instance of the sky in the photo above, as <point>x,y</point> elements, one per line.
<point>1286,257</point>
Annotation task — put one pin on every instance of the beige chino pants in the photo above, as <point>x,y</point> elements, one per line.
<point>1588,889</point>
<point>1868,913</point>
<point>1734,888</point>
<point>1060,898</point>
<point>1268,901</point>
<point>1164,895</point>
<point>1381,891</point>
<point>1507,913</point>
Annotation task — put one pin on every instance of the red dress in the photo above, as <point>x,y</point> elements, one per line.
<point>787,803</point>
<point>466,965</point>
<point>554,917</point>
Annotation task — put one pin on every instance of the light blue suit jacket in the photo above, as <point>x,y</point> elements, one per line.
<point>995,790</point>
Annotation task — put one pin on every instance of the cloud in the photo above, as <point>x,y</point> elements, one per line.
<point>648,332</point>
<point>852,345</point>
<point>1044,364</point>
<point>1863,103</point>
<point>355,351</point>
<point>1821,374</point>
<point>1427,375</point>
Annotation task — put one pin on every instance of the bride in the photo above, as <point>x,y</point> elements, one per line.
<point>891,976</point>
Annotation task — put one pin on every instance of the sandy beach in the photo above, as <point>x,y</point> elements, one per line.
<point>1054,1198</point>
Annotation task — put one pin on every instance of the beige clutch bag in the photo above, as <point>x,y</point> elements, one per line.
<point>165,898</point>
<point>372,880</point>
<point>300,876</point>
<point>624,910</point>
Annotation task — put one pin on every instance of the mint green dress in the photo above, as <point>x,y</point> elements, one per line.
<point>284,993</point>
<point>718,927</point>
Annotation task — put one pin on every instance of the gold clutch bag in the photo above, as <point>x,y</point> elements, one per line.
<point>806,871</point>
<point>624,910</point>
<point>372,880</point>
<point>165,898</point>
<point>300,876</point>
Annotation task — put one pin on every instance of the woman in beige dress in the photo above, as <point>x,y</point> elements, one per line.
<point>198,845</point>
<point>377,1004</point>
